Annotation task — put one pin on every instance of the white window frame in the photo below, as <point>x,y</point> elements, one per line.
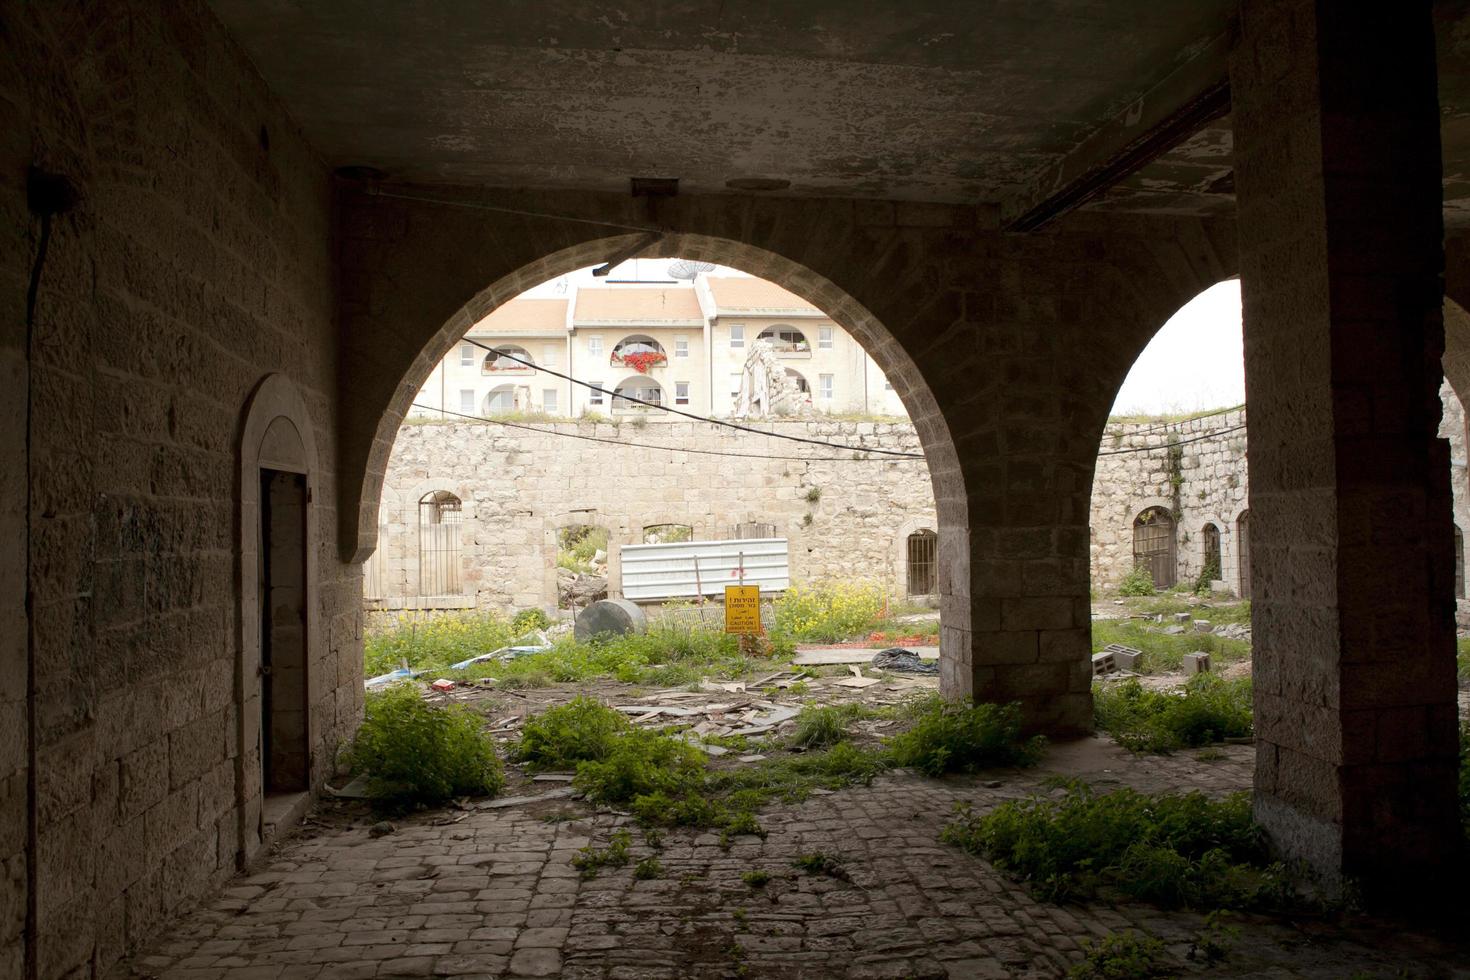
<point>594,344</point>
<point>681,393</point>
<point>467,354</point>
<point>824,338</point>
<point>548,401</point>
<point>548,355</point>
<point>681,346</point>
<point>737,335</point>
<point>596,395</point>
<point>736,377</point>
<point>825,387</point>
<point>467,401</point>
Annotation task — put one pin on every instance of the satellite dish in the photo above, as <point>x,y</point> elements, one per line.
<point>687,269</point>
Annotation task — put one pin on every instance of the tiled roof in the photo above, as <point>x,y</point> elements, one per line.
<point>526,316</point>
<point>636,305</point>
<point>754,295</point>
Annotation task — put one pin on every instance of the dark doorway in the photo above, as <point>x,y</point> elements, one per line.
<point>284,752</point>
<point>1211,566</point>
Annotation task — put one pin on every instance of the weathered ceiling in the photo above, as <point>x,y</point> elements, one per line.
<point>947,100</point>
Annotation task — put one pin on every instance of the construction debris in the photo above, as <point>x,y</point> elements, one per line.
<point>904,661</point>
<point>560,793</point>
<point>820,658</point>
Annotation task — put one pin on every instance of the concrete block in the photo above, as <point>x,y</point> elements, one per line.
<point>1126,658</point>
<point>1103,663</point>
<point>1196,663</point>
<point>1203,626</point>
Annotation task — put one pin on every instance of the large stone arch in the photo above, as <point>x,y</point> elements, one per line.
<point>1005,350</point>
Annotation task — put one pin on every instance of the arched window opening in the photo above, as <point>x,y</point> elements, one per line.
<point>641,389</point>
<point>503,399</point>
<point>581,565</point>
<point>440,517</point>
<point>801,383</point>
<point>785,340</point>
<point>1210,570</point>
<point>1459,564</point>
<point>1153,546</point>
<point>1243,548</point>
<point>493,363</point>
<point>923,562</point>
<point>748,530</point>
<point>638,352</point>
<point>667,533</point>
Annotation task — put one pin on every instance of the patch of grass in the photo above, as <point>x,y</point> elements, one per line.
<point>579,731</point>
<point>1137,582</point>
<point>1206,710</point>
<point>1171,850</point>
<point>821,863</point>
<point>756,879</point>
<point>1162,651</point>
<point>415,752</point>
<point>529,619</point>
<point>829,613</point>
<point>821,726</point>
<point>432,644</point>
<point>527,680</point>
<point>1123,956</point>
<point>641,763</point>
<point>1462,659</point>
<point>962,737</point>
<point>589,861</point>
<point>648,868</point>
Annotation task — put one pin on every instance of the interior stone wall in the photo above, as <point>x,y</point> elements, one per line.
<point>196,261</point>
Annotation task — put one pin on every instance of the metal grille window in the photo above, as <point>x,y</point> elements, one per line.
<point>1211,535</point>
<point>753,529</point>
<point>440,516</point>
<point>1243,546</point>
<point>1153,546</point>
<point>667,533</point>
<point>923,562</point>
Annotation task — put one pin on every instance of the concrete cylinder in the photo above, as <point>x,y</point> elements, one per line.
<point>617,616</point>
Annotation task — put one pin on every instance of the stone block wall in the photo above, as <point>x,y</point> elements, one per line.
<point>196,262</point>
<point>520,487</point>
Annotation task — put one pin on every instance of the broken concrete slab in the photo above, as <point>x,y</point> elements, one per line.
<point>560,793</point>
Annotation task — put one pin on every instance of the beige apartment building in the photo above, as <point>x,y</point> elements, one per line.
<point>683,345</point>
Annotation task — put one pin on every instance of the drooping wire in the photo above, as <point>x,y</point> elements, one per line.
<point>1177,442</point>
<point>641,445</point>
<point>691,415</point>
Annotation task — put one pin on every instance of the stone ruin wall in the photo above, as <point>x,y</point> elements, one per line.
<point>1204,483</point>
<point>519,487</point>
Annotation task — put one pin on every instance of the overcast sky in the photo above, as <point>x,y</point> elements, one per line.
<point>1194,363</point>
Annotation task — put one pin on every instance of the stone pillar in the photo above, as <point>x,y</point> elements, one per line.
<point>1338,174</point>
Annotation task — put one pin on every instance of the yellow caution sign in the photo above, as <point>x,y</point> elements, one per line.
<point>743,609</point>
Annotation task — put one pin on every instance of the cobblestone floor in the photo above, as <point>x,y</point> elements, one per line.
<point>495,895</point>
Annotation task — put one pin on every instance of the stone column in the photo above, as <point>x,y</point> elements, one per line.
<point>1338,176</point>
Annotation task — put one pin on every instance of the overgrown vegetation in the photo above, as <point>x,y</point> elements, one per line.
<point>1163,651</point>
<point>1207,709</point>
<point>1137,582</point>
<point>1175,850</point>
<point>415,752</point>
<point>1123,955</point>
<point>829,613</point>
<point>963,737</point>
<point>1462,659</point>
<point>582,730</point>
<point>590,860</point>
<point>432,644</point>
<point>818,726</point>
<point>578,544</point>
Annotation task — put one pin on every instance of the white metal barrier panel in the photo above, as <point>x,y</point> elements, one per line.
<point>686,569</point>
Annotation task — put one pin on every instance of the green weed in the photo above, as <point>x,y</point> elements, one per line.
<point>529,619</point>
<point>1172,850</point>
<point>821,726</point>
<point>1122,956</point>
<point>1206,710</point>
<point>648,868</point>
<point>589,861</point>
<point>432,644</point>
<point>821,863</point>
<point>413,751</point>
<point>962,737</point>
<point>581,730</point>
<point>1137,582</point>
<point>829,613</point>
<point>756,879</point>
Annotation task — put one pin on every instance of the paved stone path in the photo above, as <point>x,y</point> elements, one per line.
<point>495,895</point>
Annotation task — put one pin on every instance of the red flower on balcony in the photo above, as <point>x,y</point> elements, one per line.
<point>641,361</point>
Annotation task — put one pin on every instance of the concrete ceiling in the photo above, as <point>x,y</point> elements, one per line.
<point>967,101</point>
